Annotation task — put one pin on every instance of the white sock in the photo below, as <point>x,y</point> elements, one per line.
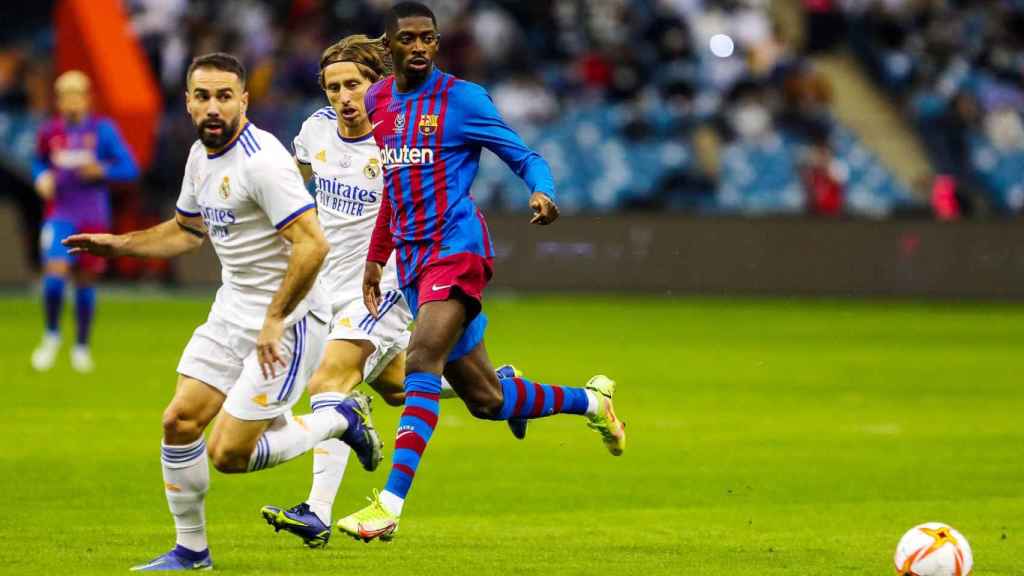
<point>186,480</point>
<point>446,389</point>
<point>593,404</point>
<point>290,436</point>
<point>330,458</point>
<point>392,502</point>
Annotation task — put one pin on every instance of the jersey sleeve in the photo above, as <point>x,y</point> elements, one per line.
<point>299,146</point>
<point>276,186</point>
<point>483,125</point>
<point>117,159</point>
<point>188,204</point>
<point>382,243</point>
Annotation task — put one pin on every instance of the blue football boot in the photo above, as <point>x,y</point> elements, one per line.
<point>180,558</point>
<point>300,521</point>
<point>361,435</point>
<point>516,425</point>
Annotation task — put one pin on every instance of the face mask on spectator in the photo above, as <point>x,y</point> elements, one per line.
<point>1005,129</point>
<point>751,120</point>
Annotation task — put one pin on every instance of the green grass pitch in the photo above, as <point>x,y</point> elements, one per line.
<point>766,437</point>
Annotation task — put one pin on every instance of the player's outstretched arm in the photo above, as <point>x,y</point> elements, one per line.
<point>484,125</point>
<point>309,248</point>
<point>165,240</point>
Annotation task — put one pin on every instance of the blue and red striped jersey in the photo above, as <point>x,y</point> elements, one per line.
<point>63,149</point>
<point>430,141</point>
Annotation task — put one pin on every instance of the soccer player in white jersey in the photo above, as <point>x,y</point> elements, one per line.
<point>336,150</point>
<point>248,364</point>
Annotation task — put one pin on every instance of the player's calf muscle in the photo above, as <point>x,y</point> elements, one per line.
<point>474,380</point>
<point>230,459</point>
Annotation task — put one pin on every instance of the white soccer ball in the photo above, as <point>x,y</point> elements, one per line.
<point>933,549</point>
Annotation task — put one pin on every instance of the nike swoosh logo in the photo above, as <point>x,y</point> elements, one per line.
<point>373,533</point>
<point>406,433</point>
<point>375,124</point>
<point>437,288</point>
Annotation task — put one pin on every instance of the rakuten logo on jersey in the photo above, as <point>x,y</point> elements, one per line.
<point>406,156</point>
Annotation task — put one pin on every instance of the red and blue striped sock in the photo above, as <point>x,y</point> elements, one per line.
<point>526,399</point>
<point>415,427</point>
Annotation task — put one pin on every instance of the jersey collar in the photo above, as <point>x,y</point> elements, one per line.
<point>227,147</point>
<point>363,138</point>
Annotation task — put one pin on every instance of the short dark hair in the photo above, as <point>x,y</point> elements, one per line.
<point>218,61</point>
<point>407,10</point>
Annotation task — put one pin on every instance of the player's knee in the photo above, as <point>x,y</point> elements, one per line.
<point>424,359</point>
<point>57,268</point>
<point>334,378</point>
<point>179,427</point>
<point>228,460</point>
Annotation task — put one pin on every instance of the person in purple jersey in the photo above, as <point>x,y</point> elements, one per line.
<point>431,128</point>
<point>77,156</point>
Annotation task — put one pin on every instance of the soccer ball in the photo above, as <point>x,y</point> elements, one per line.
<point>933,549</point>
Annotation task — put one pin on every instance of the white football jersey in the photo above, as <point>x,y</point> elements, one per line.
<point>246,194</point>
<point>349,190</point>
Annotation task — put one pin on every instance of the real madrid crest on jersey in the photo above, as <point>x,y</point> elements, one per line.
<point>225,188</point>
<point>372,169</point>
<point>400,122</point>
<point>428,124</point>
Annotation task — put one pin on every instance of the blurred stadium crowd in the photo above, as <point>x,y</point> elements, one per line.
<point>623,97</point>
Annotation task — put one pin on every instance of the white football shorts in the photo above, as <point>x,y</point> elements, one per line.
<point>388,333</point>
<point>223,355</point>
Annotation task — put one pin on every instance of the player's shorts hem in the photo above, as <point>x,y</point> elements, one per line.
<point>221,387</point>
<point>352,335</point>
<point>258,415</point>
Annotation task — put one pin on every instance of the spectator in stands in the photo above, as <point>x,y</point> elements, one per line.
<point>822,177</point>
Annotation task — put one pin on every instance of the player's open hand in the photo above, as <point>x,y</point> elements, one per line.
<point>105,245</point>
<point>371,286</point>
<point>544,210</point>
<point>268,346</point>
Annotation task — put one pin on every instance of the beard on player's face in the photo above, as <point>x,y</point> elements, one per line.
<point>216,132</point>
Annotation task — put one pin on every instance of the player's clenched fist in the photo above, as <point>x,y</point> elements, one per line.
<point>544,210</point>
<point>105,245</point>
<point>371,286</point>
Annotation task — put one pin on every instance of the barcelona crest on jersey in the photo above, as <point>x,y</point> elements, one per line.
<point>428,124</point>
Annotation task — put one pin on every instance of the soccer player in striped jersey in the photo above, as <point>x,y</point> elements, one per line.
<point>77,156</point>
<point>249,363</point>
<point>431,128</point>
<point>336,150</point>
